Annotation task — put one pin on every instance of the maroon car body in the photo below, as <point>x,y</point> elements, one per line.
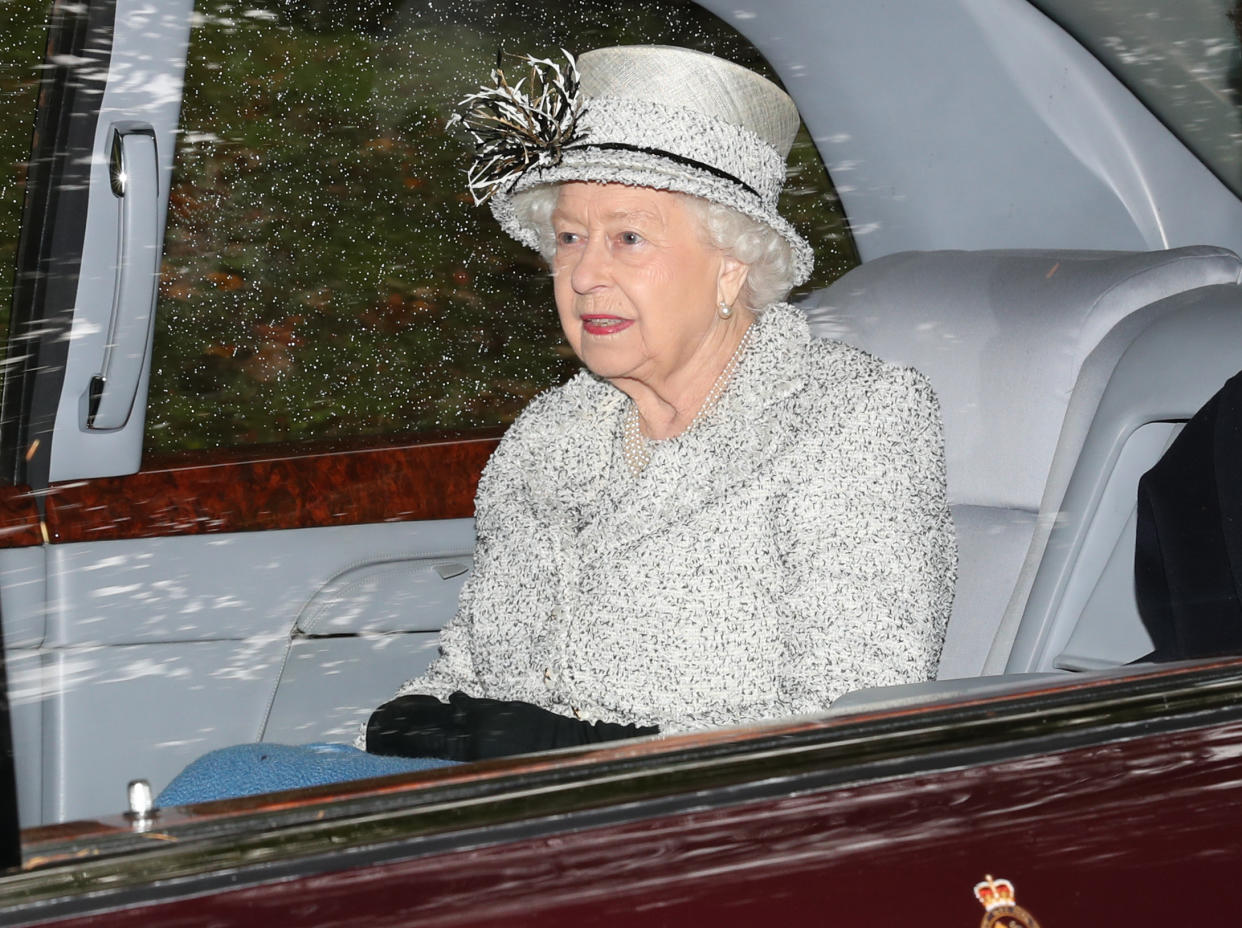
<point>1103,802</point>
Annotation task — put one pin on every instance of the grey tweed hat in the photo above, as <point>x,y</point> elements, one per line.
<point>646,115</point>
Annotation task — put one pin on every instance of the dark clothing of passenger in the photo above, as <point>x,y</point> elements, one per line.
<point>1188,554</point>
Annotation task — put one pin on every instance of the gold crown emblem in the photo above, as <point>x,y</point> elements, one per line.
<point>992,893</point>
<point>1000,909</point>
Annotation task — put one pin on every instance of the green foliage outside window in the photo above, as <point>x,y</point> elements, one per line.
<point>325,273</point>
<point>23,37</point>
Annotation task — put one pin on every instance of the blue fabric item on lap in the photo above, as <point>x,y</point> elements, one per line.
<point>250,769</point>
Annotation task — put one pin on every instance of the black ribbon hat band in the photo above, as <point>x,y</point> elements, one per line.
<point>668,155</point>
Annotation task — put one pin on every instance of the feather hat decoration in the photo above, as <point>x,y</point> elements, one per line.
<point>519,127</point>
<point>656,116</point>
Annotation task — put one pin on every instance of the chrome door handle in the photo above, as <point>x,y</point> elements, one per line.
<point>134,170</point>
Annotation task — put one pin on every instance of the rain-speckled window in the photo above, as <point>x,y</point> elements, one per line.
<point>1182,58</point>
<point>23,35</point>
<point>325,274</point>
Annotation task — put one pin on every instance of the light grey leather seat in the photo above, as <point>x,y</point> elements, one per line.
<point>1081,613</point>
<point>364,633</point>
<point>1022,347</point>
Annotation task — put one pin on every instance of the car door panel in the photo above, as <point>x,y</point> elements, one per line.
<point>24,675</point>
<point>118,713</point>
<point>186,627</point>
<point>227,587</point>
<point>162,649</point>
<point>22,596</point>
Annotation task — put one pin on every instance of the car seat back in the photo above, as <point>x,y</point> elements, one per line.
<point>1081,612</point>
<point>365,632</point>
<point>1003,337</point>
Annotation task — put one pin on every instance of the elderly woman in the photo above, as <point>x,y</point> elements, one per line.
<point>720,520</point>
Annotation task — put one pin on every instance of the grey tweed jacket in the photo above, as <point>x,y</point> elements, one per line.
<point>793,546</point>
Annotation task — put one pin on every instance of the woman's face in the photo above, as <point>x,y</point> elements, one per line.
<point>637,285</point>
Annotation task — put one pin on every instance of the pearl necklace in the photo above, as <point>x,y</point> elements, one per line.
<point>636,447</point>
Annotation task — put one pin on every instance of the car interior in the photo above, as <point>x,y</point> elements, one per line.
<point>1059,387</point>
<point>1065,351</point>
<point>1051,367</point>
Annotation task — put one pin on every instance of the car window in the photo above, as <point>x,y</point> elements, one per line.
<point>23,35</point>
<point>325,274</point>
<point>1182,58</point>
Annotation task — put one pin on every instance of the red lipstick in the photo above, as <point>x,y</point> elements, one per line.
<point>605,325</point>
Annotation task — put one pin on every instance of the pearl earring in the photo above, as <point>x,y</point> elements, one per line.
<point>724,309</point>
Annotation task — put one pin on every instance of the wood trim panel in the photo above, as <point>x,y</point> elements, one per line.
<point>19,518</point>
<point>263,489</point>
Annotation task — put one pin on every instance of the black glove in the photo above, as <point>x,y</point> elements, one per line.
<point>466,728</point>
